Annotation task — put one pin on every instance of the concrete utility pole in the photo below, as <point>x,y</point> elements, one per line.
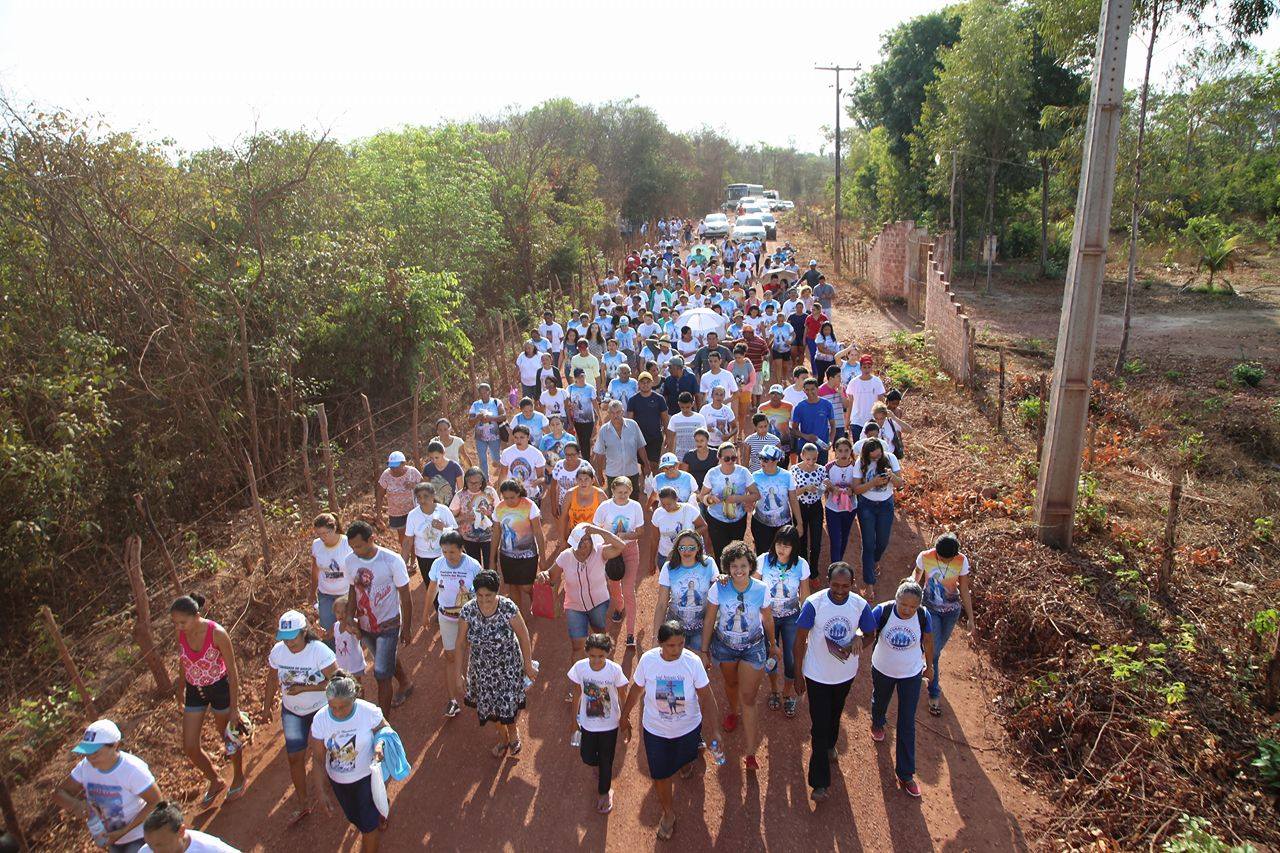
<point>1077,330</point>
<point>835,254</point>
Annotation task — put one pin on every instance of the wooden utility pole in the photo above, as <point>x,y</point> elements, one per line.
<point>327,455</point>
<point>1082,299</point>
<point>839,109</point>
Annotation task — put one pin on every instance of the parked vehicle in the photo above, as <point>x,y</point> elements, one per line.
<point>747,227</point>
<point>717,225</point>
<point>770,225</point>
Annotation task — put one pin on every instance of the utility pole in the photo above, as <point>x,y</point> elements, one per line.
<point>839,109</point>
<point>1077,330</point>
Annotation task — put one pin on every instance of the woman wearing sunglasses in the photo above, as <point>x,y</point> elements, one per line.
<point>727,496</point>
<point>739,616</point>
<point>683,582</point>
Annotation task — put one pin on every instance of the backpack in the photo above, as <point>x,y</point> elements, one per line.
<point>887,609</point>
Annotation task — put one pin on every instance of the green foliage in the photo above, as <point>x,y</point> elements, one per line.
<point>1091,512</point>
<point>1248,373</point>
<point>1268,764</point>
<point>1134,366</point>
<point>1029,410</point>
<point>903,375</point>
<point>1193,448</point>
<point>1265,623</point>
<point>1214,245</point>
<point>1264,528</point>
<point>1196,836</point>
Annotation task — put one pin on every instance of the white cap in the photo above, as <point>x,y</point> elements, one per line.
<point>291,625</point>
<point>99,734</point>
<point>396,459</point>
<point>580,530</point>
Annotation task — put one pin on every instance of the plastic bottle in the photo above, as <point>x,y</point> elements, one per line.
<point>97,828</point>
<point>717,754</point>
<point>770,664</point>
<point>528,682</point>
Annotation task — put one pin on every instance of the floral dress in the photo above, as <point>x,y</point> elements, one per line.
<point>495,671</point>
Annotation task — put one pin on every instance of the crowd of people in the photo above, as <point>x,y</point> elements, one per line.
<point>702,422</point>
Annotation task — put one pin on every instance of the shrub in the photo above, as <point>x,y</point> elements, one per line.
<point>1248,373</point>
<point>1029,409</point>
<point>1196,836</point>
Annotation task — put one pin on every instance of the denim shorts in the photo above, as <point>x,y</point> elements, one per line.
<point>753,655</point>
<point>693,640</point>
<point>382,646</point>
<point>397,522</point>
<point>297,730</point>
<point>582,621</point>
<point>216,696</point>
<point>324,607</point>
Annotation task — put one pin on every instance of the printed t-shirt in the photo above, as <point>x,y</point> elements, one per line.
<point>739,624</point>
<point>688,584</point>
<point>723,486</point>
<point>400,489</point>
<point>426,536</point>
<point>515,525</point>
<point>454,584</point>
<point>672,524</point>
<point>116,794</point>
<point>671,707</point>
<point>376,581</point>
<point>783,583</point>
<point>306,668</point>
<point>833,659</point>
<point>774,506</point>
<point>348,744</point>
<point>599,709</point>
<point>942,580</point>
<point>332,581</point>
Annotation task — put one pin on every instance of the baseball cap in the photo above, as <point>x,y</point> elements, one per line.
<point>644,374</point>
<point>866,359</point>
<point>99,734</point>
<point>579,531</point>
<point>291,625</point>
<point>395,460</point>
<point>777,389</point>
<point>813,263</point>
<point>770,451</point>
<point>667,460</point>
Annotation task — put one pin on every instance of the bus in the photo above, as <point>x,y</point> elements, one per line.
<point>733,192</point>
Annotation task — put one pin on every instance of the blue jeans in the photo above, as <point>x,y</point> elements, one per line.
<point>324,606</point>
<point>943,624</point>
<point>581,622</point>
<point>904,738</point>
<point>297,730</point>
<point>383,647</point>
<point>875,519</point>
<point>838,526</point>
<point>487,450</point>
<point>784,632</point>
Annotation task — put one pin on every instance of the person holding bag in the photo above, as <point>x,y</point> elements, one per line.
<point>580,571</point>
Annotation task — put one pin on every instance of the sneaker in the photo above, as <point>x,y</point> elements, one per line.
<point>730,722</point>
<point>910,787</point>
<point>453,709</point>
<point>631,641</point>
<point>819,794</point>
<point>575,740</point>
<point>877,733</point>
<point>618,615</point>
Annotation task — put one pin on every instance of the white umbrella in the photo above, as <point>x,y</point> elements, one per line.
<point>702,320</point>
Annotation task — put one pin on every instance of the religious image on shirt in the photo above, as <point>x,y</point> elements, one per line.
<point>342,754</point>
<point>785,596</point>
<point>482,509</point>
<point>686,606</point>
<point>521,470</point>
<point>367,599</point>
<point>463,594</point>
<point>599,703</point>
<point>444,488</point>
<point>621,524</point>
<point>669,697</point>
<point>731,489</point>
<point>108,802</point>
<point>517,530</point>
<point>839,635</point>
<point>773,501</point>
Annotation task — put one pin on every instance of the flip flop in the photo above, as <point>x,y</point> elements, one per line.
<point>402,697</point>
<point>605,804</point>
<point>935,708</point>
<point>515,746</point>
<point>234,793</point>
<point>499,750</point>
<point>664,833</point>
<point>298,816</point>
<point>212,795</point>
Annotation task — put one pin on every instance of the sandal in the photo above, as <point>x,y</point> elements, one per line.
<point>234,793</point>
<point>298,816</point>
<point>402,697</point>
<point>789,706</point>
<point>775,701</point>
<point>687,771</point>
<point>935,708</point>
<point>604,805</point>
<point>215,788</point>
<point>514,747</point>
<point>665,831</point>
<point>499,749</point>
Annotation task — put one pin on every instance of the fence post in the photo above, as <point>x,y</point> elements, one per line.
<point>413,424</point>
<point>142,618</point>
<point>1041,420</point>
<point>368,420</point>
<point>327,455</point>
<point>72,670</point>
<point>144,509</point>
<point>1000,400</point>
<point>257,514</point>
<point>10,814</point>
<point>312,506</point>
<point>1170,534</point>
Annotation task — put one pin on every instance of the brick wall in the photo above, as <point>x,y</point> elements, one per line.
<point>946,319</point>
<point>887,261</point>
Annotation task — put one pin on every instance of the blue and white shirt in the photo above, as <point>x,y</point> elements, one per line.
<point>783,583</point>
<point>739,622</point>
<point>774,506</point>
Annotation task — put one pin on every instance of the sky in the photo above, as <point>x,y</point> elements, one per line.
<point>207,73</point>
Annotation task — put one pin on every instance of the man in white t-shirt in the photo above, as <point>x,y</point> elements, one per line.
<point>379,596</point>
<point>109,787</point>
<point>716,377</point>
<point>863,391</point>
<point>682,425</point>
<point>166,831</point>
<point>554,333</point>
<point>825,668</point>
<point>451,584</point>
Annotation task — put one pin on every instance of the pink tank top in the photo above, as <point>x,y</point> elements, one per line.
<point>206,666</point>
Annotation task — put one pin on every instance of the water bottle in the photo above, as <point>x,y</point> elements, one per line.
<point>770,664</point>
<point>717,754</point>
<point>97,828</point>
<point>528,682</point>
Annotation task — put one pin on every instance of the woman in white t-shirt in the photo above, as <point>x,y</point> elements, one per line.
<point>675,689</point>
<point>785,574</point>
<point>455,449</point>
<point>554,399</point>
<point>903,650</point>
<point>451,580</point>
<point>625,519</point>
<point>602,690</point>
<point>527,365</point>
<point>671,518</point>
<point>343,735</point>
<point>328,582</point>
<point>424,526</point>
<point>877,474</point>
<point>299,667</point>
<point>721,422</point>
<point>112,789</point>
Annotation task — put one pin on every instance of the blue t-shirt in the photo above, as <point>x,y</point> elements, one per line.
<point>774,506</point>
<point>584,397</point>
<point>727,485</point>
<point>626,338</point>
<point>780,336</point>
<point>682,482</point>
<point>553,446</point>
<point>619,390</point>
<point>739,623</point>
<point>487,431</point>
<point>814,418</point>
<point>688,585</point>
<point>783,583</point>
<point>612,361</point>
<point>537,424</point>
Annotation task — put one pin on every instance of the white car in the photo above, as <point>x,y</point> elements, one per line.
<point>770,225</point>
<point>748,227</point>
<point>783,204</point>
<point>717,225</point>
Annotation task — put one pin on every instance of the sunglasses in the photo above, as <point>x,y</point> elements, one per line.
<point>729,457</point>
<point>688,549</point>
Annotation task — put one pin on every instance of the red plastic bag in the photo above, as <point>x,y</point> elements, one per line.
<point>544,601</point>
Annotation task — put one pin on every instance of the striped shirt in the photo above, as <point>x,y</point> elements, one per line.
<point>755,442</point>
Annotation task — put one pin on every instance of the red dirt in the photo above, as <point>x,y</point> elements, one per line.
<point>460,797</point>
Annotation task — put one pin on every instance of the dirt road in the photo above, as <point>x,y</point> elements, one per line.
<point>459,797</point>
